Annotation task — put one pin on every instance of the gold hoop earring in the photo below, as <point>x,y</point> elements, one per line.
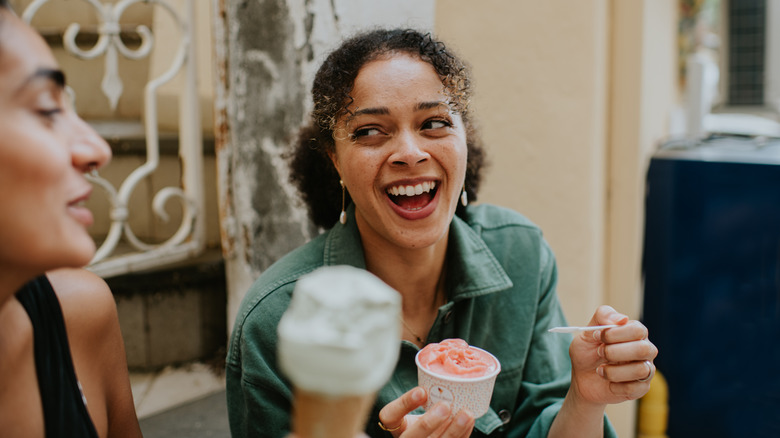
<point>464,198</point>
<point>343,215</point>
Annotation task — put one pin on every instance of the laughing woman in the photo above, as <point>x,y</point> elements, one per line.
<point>63,371</point>
<point>392,134</point>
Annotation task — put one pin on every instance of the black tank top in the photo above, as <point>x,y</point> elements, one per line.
<point>64,407</point>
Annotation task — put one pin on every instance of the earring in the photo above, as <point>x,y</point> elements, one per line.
<point>343,215</point>
<point>464,198</point>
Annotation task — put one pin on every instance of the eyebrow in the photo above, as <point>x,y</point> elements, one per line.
<point>54,75</point>
<point>430,105</point>
<point>383,110</point>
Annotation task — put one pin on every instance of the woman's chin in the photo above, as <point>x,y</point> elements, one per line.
<point>79,255</point>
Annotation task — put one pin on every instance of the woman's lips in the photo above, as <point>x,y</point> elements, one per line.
<point>413,200</point>
<point>80,212</point>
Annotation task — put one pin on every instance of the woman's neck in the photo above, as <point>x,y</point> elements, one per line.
<point>11,280</point>
<point>419,277</point>
<point>417,274</point>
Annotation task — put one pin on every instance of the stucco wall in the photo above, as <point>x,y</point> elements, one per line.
<point>541,72</point>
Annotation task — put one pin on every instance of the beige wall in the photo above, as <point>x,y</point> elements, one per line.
<point>572,96</point>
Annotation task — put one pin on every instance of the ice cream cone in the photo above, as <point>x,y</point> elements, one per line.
<point>323,416</point>
<point>338,344</point>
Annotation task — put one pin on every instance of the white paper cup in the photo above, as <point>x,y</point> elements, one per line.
<point>472,393</point>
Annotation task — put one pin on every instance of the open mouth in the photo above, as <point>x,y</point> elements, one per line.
<point>413,197</point>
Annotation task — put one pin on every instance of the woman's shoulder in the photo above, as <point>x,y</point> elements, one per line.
<point>289,267</point>
<point>502,229</point>
<point>489,217</point>
<point>274,286</point>
<point>86,300</point>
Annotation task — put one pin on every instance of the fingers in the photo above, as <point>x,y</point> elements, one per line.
<point>436,419</point>
<point>628,356</point>
<point>624,380</point>
<point>629,390</point>
<point>460,426</point>
<point>604,315</point>
<point>439,422</point>
<point>641,371</point>
<point>608,315</point>
<point>626,343</point>
<point>628,331</point>
<point>392,416</point>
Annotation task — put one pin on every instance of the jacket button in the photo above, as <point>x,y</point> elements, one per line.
<point>504,415</point>
<point>447,317</point>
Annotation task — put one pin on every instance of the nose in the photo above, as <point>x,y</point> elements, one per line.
<point>409,150</point>
<point>88,150</point>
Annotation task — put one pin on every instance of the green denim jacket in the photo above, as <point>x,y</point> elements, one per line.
<point>501,279</point>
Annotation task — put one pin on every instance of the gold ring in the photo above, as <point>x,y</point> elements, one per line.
<point>390,429</point>
<point>649,372</point>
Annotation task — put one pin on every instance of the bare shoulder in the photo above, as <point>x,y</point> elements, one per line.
<point>97,348</point>
<point>85,298</point>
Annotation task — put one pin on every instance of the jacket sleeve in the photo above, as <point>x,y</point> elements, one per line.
<point>259,399</point>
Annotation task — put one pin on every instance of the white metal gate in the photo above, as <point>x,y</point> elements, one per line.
<point>189,239</point>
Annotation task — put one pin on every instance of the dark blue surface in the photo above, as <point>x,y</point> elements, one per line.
<point>712,244</point>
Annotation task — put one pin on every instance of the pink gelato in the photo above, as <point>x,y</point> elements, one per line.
<point>456,373</point>
<point>455,358</point>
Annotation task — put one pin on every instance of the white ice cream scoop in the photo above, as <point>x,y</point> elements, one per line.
<point>341,332</point>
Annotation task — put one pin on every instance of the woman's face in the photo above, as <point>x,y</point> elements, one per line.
<point>44,150</point>
<point>402,154</point>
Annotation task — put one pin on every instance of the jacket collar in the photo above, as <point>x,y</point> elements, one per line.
<point>472,268</point>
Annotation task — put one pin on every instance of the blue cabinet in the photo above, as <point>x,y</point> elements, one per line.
<point>712,286</point>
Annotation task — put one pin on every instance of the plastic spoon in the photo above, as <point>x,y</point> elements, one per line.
<point>580,329</point>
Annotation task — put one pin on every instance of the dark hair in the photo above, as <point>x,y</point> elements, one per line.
<point>312,171</point>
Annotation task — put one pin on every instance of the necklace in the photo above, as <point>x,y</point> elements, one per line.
<point>419,339</point>
<point>439,290</point>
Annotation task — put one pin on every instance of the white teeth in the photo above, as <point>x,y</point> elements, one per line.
<point>412,190</point>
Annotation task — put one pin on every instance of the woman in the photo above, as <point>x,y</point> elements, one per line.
<point>52,382</point>
<point>392,137</point>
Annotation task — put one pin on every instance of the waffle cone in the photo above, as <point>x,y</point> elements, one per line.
<point>321,416</point>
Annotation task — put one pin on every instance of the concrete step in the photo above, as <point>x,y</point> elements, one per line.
<point>174,315</point>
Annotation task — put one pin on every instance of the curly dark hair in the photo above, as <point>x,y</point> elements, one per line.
<point>312,171</point>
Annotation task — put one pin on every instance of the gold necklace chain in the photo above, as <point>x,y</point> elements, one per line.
<point>439,289</point>
<point>419,339</point>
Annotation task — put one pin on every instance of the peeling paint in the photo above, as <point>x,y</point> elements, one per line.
<point>267,54</point>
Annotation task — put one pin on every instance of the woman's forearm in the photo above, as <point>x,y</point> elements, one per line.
<point>578,419</point>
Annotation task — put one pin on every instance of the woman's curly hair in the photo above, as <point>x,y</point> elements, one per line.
<point>312,171</point>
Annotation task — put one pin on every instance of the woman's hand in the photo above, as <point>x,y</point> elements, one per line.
<point>612,365</point>
<point>437,422</point>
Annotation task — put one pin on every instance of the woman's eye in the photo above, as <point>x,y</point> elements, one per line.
<point>436,124</point>
<point>364,132</point>
<point>49,113</point>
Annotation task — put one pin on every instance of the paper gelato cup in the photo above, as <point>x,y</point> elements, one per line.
<point>472,393</point>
